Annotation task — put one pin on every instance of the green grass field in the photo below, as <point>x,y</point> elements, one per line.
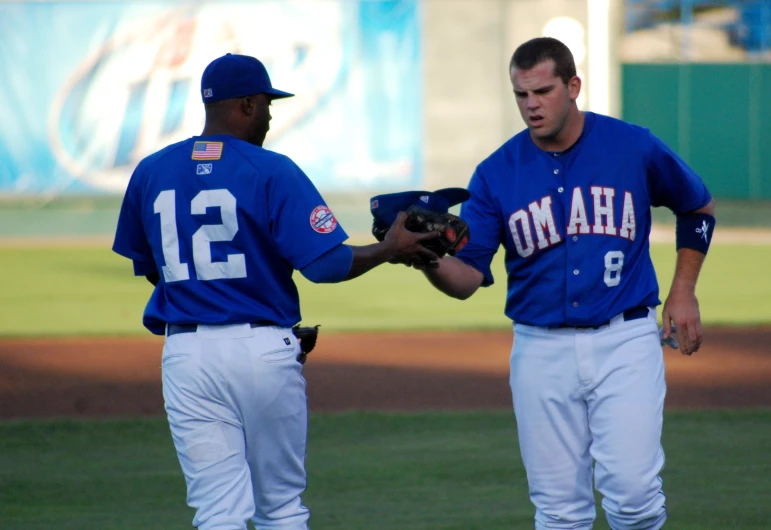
<point>88,290</point>
<point>368,471</point>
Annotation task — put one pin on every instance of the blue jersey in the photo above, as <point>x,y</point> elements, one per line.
<point>224,223</point>
<point>575,225</point>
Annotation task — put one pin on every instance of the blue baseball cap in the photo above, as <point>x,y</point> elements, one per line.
<point>237,76</point>
<point>385,207</point>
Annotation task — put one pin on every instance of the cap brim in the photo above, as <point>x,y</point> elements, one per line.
<point>453,196</point>
<point>278,94</point>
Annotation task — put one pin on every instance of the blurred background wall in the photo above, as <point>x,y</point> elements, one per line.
<point>391,94</point>
<point>469,107</point>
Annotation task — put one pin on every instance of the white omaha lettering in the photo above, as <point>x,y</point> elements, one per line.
<point>523,239</point>
<point>628,223</point>
<point>603,209</point>
<point>541,215</point>
<point>544,218</point>
<point>578,221</point>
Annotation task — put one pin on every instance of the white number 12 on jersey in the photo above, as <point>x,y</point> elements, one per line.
<point>205,268</point>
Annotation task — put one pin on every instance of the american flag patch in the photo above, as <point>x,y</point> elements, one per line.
<point>207,151</point>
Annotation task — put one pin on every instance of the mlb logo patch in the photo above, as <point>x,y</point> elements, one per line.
<point>207,150</point>
<point>374,204</point>
<point>207,92</point>
<point>204,169</point>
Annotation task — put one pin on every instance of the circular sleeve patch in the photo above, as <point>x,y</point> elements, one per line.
<point>323,220</point>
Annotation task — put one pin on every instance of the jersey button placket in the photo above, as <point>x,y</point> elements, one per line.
<point>559,189</point>
<point>574,291</point>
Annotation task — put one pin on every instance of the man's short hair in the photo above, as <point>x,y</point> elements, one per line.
<point>540,49</point>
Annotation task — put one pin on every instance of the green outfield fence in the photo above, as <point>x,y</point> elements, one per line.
<point>716,116</point>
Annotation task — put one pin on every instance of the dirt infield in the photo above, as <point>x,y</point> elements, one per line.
<point>357,371</point>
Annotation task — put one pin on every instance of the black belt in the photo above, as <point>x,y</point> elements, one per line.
<point>173,329</point>
<point>635,313</point>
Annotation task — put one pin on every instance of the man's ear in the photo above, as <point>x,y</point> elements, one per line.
<point>574,87</point>
<point>247,105</point>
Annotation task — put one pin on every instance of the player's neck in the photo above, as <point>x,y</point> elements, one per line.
<point>214,129</point>
<point>568,136</point>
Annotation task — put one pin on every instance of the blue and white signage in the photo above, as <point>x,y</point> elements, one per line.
<point>90,88</point>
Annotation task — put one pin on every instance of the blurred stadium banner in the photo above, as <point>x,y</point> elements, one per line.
<point>90,88</point>
<point>391,94</point>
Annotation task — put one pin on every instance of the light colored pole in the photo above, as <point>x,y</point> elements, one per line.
<point>686,23</point>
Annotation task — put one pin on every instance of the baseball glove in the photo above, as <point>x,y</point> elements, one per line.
<point>454,231</point>
<point>307,337</point>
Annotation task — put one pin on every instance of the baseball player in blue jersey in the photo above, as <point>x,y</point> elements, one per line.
<point>570,200</point>
<point>218,224</point>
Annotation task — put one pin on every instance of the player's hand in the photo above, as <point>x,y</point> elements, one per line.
<point>682,310</point>
<point>406,246</point>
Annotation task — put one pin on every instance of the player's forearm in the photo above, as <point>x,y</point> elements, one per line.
<point>687,270</point>
<point>689,261</point>
<point>454,278</point>
<point>347,262</point>
<point>367,257</point>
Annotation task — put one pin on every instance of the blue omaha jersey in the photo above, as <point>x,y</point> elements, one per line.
<point>575,226</point>
<point>225,223</point>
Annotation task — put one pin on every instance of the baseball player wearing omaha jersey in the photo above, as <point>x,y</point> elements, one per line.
<point>570,200</point>
<point>218,224</point>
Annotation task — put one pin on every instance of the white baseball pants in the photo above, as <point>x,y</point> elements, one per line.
<point>583,395</point>
<point>237,408</point>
